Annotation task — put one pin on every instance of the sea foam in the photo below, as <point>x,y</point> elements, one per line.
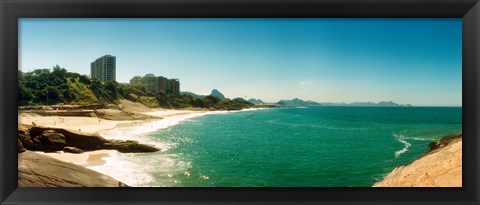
<point>140,131</point>
<point>118,167</point>
<point>142,170</point>
<point>138,169</point>
<point>401,139</point>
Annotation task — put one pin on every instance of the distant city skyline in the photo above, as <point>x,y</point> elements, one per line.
<point>408,61</point>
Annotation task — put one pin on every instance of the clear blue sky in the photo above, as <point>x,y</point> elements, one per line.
<point>415,61</point>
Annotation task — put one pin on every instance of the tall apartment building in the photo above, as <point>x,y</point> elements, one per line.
<point>175,86</point>
<point>104,68</point>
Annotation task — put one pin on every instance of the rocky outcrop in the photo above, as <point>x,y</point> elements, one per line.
<point>73,138</point>
<point>24,136</point>
<point>443,142</point>
<point>36,170</point>
<point>128,146</point>
<point>49,140</point>
<point>440,167</point>
<point>56,139</point>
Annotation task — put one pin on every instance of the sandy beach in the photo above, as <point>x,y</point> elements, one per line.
<point>94,125</point>
<point>84,124</point>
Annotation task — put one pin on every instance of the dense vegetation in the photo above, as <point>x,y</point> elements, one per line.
<point>58,86</point>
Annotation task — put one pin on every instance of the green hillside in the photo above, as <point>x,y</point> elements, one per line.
<point>58,86</point>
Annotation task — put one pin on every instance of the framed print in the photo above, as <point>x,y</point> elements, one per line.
<point>319,102</point>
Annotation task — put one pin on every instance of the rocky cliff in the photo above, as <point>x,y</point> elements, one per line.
<point>440,167</point>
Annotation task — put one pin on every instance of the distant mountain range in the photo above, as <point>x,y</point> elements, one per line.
<point>298,102</point>
<point>301,103</point>
<point>218,94</point>
<point>256,101</point>
<point>214,93</point>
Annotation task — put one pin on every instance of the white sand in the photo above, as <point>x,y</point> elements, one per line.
<point>83,124</point>
<point>91,124</point>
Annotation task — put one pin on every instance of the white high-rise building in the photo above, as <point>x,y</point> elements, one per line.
<point>104,68</point>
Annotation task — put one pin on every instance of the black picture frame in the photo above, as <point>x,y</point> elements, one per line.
<point>11,10</point>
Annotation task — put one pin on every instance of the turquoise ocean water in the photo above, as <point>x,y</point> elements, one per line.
<point>286,147</point>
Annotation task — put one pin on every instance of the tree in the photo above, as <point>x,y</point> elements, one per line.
<point>67,95</point>
<point>53,95</point>
<point>59,72</point>
<point>111,88</point>
<point>24,95</point>
<point>198,103</point>
<point>84,79</point>
<point>161,97</point>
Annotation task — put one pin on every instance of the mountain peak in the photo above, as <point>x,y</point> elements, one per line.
<point>218,94</point>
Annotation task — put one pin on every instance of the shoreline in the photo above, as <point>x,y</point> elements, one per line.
<point>104,160</point>
<point>94,125</point>
<point>113,130</point>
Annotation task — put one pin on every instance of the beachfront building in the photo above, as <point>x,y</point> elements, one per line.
<point>169,86</point>
<point>175,86</point>
<point>104,68</point>
<point>162,83</point>
<point>153,83</point>
<point>150,82</point>
<point>136,80</point>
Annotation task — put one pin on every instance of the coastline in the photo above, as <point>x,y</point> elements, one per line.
<point>423,172</point>
<point>114,130</point>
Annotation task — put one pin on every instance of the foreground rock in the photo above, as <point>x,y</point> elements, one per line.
<point>56,139</point>
<point>440,167</point>
<point>49,140</point>
<point>36,170</point>
<point>24,137</point>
